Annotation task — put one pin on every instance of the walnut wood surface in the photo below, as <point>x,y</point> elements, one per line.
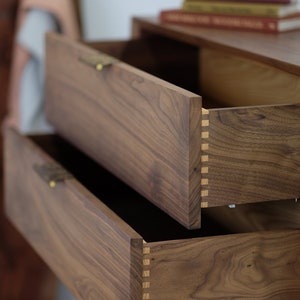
<point>242,266</point>
<point>98,256</point>
<point>237,81</point>
<point>279,50</point>
<point>248,154</point>
<point>141,128</point>
<point>253,154</point>
<point>93,251</point>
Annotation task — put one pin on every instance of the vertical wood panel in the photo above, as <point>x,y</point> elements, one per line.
<point>141,128</point>
<point>254,154</point>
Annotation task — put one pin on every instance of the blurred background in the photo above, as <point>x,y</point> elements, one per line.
<point>102,19</point>
<point>23,275</point>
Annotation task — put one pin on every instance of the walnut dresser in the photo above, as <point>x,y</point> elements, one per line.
<point>174,173</point>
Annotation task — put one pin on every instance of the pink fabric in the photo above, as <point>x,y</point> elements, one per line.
<point>64,12</point>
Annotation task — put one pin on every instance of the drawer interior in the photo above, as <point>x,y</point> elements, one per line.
<point>222,79</point>
<point>168,59</point>
<point>152,223</point>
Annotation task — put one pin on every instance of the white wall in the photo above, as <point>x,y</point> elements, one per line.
<point>111,19</point>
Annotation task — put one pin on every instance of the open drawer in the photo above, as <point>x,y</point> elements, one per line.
<point>180,151</point>
<point>105,241</point>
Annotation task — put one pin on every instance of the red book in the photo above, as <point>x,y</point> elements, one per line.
<point>252,23</point>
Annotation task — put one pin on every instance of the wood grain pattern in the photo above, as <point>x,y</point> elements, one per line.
<point>254,154</point>
<point>141,128</point>
<point>248,154</point>
<point>95,253</point>
<point>278,50</point>
<point>237,81</point>
<point>242,266</point>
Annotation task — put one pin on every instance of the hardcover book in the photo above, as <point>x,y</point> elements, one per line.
<point>253,23</point>
<point>254,1</point>
<point>242,8</point>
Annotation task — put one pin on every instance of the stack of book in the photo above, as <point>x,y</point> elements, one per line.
<point>254,15</point>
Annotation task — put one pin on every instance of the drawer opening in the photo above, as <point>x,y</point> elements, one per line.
<point>152,223</point>
<point>222,79</point>
<point>168,59</point>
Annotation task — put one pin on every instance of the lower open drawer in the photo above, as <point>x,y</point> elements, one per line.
<point>123,247</point>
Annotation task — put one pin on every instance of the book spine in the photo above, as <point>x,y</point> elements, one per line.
<point>233,8</point>
<point>219,21</point>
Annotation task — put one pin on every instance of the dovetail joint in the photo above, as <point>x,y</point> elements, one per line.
<point>204,147</point>
<point>204,156</point>
<point>205,134</point>
<point>204,193</point>
<point>146,296</point>
<point>146,273</point>
<point>146,250</point>
<point>204,204</point>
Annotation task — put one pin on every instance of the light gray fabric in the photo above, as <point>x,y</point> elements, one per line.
<point>32,38</point>
<point>63,293</point>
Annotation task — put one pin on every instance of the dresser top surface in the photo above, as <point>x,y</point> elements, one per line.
<point>280,50</point>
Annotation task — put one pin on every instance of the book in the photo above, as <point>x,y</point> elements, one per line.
<point>241,8</point>
<point>253,23</point>
<point>254,1</point>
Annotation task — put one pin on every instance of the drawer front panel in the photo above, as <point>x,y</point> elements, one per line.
<point>93,251</point>
<point>143,129</point>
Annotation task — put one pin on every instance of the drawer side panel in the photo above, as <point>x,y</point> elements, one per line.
<point>243,266</point>
<point>254,154</point>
